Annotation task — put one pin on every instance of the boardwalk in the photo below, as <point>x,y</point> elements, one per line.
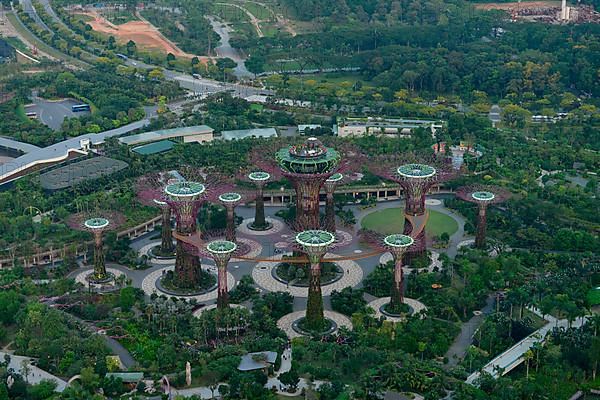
<point>513,357</point>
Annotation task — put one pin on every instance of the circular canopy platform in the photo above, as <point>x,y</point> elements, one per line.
<point>259,176</point>
<point>309,157</point>
<point>416,171</point>
<point>221,247</point>
<point>185,189</point>
<point>398,240</point>
<point>96,223</point>
<point>483,196</point>
<point>335,178</point>
<point>230,197</point>
<point>315,238</point>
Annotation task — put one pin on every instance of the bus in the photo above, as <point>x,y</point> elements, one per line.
<point>122,56</point>
<point>31,115</point>
<point>80,107</point>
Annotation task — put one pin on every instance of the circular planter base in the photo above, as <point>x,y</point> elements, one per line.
<point>332,327</point>
<point>266,227</point>
<point>154,252</point>
<point>339,273</point>
<point>384,311</point>
<point>91,279</point>
<point>183,291</point>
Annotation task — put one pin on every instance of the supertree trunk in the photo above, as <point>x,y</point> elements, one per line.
<point>419,246</point>
<point>187,268</point>
<point>307,203</point>
<point>99,264</point>
<point>222,294</point>
<point>315,319</point>
<point>166,246</point>
<point>330,213</point>
<point>230,229</point>
<point>259,211</point>
<point>481,227</point>
<point>397,292</point>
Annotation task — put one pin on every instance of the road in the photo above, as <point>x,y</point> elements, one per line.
<point>30,10</point>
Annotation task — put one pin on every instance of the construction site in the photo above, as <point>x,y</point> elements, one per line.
<point>550,12</point>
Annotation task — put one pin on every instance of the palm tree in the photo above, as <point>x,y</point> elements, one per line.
<point>527,357</point>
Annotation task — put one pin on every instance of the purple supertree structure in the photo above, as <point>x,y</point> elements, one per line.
<point>185,197</point>
<point>97,222</point>
<point>149,190</point>
<point>483,196</point>
<point>307,166</point>
<point>415,176</point>
<point>259,179</point>
<point>230,200</point>
<point>397,245</point>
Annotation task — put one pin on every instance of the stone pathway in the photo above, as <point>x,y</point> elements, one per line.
<point>149,285</point>
<point>416,305</point>
<point>277,227</point>
<point>34,374</point>
<point>285,322</point>
<point>263,277</point>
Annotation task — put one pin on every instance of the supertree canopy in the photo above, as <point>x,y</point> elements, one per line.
<point>307,166</point>
<point>397,245</point>
<point>415,176</point>
<point>315,243</point>
<point>483,196</point>
<point>97,222</point>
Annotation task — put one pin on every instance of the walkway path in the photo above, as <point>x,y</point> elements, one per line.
<point>513,357</point>
<point>457,351</point>
<point>34,374</point>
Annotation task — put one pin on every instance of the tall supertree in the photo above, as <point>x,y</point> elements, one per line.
<point>330,185</point>
<point>259,179</point>
<point>221,251</point>
<point>397,245</point>
<point>415,176</point>
<point>483,196</point>
<point>230,200</point>
<point>315,243</point>
<point>97,222</point>
<point>149,190</point>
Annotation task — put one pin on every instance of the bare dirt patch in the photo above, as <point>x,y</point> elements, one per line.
<point>143,33</point>
<point>512,6</point>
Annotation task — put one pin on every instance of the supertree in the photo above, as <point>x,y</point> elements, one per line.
<point>415,176</point>
<point>483,196</point>
<point>259,179</point>
<point>185,198</point>
<point>221,251</point>
<point>314,243</point>
<point>330,184</point>
<point>97,222</point>
<point>397,245</point>
<point>230,200</point>
<point>149,192</point>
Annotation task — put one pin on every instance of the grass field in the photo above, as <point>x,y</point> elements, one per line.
<point>391,220</point>
<point>593,296</point>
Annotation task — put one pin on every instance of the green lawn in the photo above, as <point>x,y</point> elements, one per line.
<point>593,296</point>
<point>391,220</point>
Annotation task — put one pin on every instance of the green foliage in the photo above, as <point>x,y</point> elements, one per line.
<point>348,301</point>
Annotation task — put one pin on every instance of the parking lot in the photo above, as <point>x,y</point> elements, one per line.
<point>53,112</point>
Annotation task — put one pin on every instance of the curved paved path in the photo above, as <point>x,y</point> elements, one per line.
<point>262,275</point>
<point>416,305</point>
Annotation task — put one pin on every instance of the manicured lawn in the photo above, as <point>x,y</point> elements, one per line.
<point>391,220</point>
